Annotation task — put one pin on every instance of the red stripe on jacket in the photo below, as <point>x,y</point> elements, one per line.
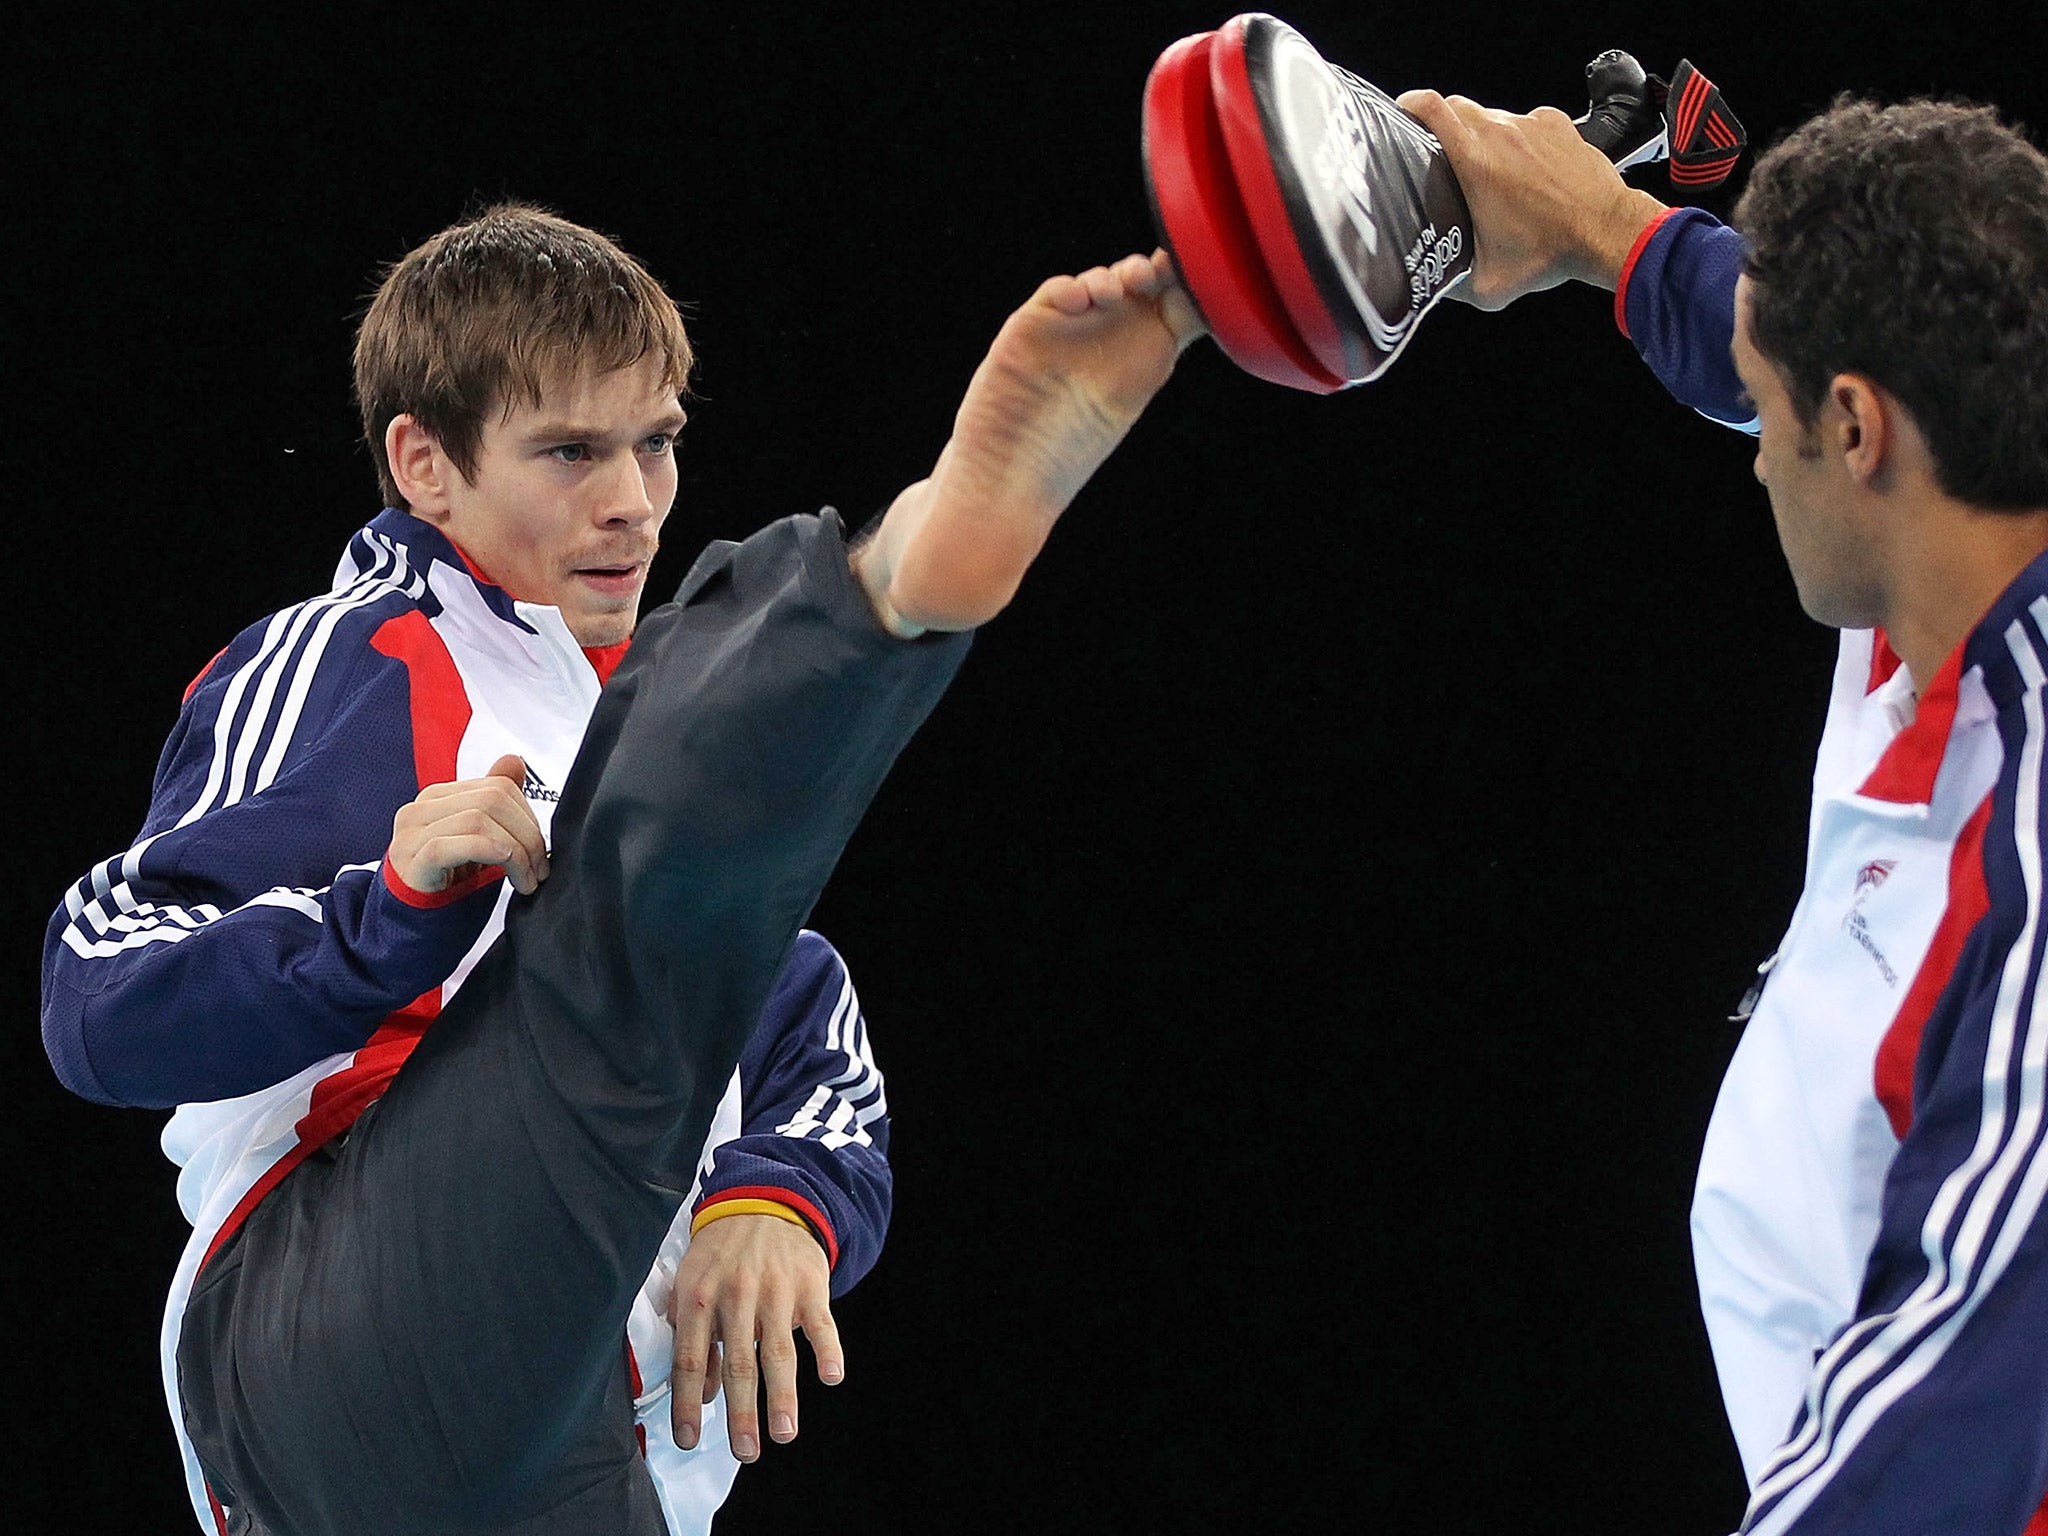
<point>440,705</point>
<point>440,714</point>
<point>1968,900</point>
<point>193,686</point>
<point>1906,773</point>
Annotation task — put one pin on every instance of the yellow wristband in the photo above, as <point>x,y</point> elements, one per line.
<point>744,1207</point>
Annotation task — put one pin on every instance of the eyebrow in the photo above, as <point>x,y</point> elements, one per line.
<point>569,432</point>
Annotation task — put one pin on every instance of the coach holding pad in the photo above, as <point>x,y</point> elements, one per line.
<point>1868,1227</point>
<point>419,1238</point>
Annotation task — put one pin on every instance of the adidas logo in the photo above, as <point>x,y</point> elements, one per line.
<point>536,788</point>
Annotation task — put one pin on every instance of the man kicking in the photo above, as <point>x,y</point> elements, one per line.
<point>1868,1225</point>
<point>437,1174</point>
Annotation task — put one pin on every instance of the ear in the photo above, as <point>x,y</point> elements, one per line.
<point>1862,426</point>
<point>421,468</point>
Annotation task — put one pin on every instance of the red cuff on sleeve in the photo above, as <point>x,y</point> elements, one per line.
<point>490,874</point>
<point>789,1197</point>
<point>1628,268</point>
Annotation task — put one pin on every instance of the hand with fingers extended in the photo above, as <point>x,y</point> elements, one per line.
<point>746,1286</point>
<point>455,833</point>
<point>1546,205</point>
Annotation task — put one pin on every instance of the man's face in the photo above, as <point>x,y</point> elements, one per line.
<point>566,504</point>
<point>1834,558</point>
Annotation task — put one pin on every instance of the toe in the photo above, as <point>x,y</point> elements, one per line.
<point>1068,295</point>
<point>1104,286</point>
<point>1138,276</point>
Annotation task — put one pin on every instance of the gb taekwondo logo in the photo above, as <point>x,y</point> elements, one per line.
<point>1868,879</point>
<point>536,788</point>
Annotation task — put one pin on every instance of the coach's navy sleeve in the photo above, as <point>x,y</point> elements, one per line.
<point>815,1122</point>
<point>1676,301</point>
<point>252,929</point>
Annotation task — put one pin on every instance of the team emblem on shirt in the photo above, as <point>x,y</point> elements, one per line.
<point>1868,879</point>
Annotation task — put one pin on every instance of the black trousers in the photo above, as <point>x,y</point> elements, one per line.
<point>421,1329</point>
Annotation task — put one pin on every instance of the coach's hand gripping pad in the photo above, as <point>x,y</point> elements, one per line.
<point>1203,224</point>
<point>1314,223</point>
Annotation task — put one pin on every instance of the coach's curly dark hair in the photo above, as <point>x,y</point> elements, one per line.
<point>1909,244</point>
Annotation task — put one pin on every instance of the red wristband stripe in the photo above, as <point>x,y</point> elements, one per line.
<point>789,1197</point>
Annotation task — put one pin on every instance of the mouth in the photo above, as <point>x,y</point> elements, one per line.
<point>612,580</point>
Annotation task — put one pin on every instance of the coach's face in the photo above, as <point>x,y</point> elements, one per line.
<point>1833,553</point>
<point>567,501</point>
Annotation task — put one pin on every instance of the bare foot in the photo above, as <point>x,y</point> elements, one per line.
<point>1067,375</point>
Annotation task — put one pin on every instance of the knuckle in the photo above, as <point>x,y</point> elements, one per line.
<point>699,1296</point>
<point>740,1365</point>
<point>778,1349</point>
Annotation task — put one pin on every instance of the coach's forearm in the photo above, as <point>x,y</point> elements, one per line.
<point>1611,232</point>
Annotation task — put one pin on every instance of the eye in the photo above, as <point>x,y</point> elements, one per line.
<point>570,453</point>
<point>659,443</point>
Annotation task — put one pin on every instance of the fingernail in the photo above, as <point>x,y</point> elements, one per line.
<point>830,1374</point>
<point>781,1426</point>
<point>745,1448</point>
<point>686,1437</point>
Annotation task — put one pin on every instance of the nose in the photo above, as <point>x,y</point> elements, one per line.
<point>628,501</point>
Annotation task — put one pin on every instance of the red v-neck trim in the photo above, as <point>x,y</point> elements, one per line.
<point>1906,773</point>
<point>1884,661</point>
<point>606,658</point>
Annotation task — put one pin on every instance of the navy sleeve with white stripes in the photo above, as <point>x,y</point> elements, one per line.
<point>1929,1411</point>
<point>1676,303</point>
<point>248,934</point>
<point>815,1121</point>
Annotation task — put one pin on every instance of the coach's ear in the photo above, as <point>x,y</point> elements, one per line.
<point>420,467</point>
<point>1866,426</point>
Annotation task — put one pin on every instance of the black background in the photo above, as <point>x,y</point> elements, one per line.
<point>1299,945</point>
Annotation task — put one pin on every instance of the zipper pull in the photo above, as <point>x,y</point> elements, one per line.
<point>1754,995</point>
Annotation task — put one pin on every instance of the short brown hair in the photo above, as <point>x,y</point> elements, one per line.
<point>490,311</point>
<point>1909,244</point>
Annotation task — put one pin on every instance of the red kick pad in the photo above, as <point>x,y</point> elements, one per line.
<point>1251,167</point>
<point>1195,198</point>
